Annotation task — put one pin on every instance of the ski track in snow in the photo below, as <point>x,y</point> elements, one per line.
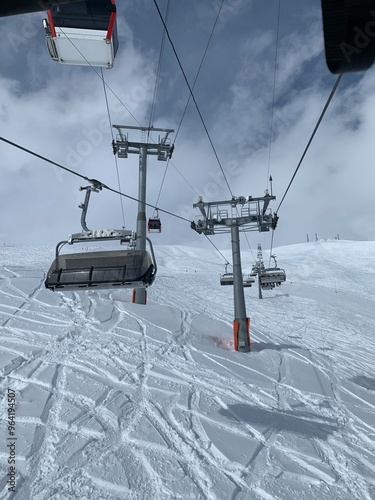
<point>121,401</point>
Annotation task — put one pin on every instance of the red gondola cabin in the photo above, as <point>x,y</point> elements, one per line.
<point>154,225</point>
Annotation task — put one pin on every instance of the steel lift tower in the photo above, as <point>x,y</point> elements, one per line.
<point>249,214</point>
<point>163,150</point>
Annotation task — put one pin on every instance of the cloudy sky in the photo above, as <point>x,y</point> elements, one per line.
<point>60,112</point>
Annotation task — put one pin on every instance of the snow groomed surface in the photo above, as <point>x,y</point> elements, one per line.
<point>120,401</point>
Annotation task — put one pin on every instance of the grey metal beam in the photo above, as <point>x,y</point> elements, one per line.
<point>140,293</point>
<point>238,294</point>
<point>144,129</point>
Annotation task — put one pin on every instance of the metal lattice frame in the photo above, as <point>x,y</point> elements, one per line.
<point>247,213</point>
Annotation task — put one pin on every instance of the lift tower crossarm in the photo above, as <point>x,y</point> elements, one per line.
<point>252,215</point>
<point>144,129</point>
<point>122,146</point>
<point>240,200</point>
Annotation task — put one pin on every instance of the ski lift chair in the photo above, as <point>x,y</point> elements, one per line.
<point>269,278</point>
<point>226,279</point>
<point>272,276</point>
<point>248,281</point>
<point>101,269</point>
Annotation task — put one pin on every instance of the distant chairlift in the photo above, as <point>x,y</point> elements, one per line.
<point>82,33</point>
<point>101,269</point>
<point>248,281</point>
<point>271,277</point>
<point>227,278</point>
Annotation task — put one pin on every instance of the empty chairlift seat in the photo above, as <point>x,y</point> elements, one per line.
<point>226,279</point>
<point>82,33</point>
<point>248,281</point>
<point>104,269</point>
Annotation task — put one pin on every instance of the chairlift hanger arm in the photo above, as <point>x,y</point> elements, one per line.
<point>84,207</point>
<point>96,186</point>
<point>121,134</point>
<point>274,259</point>
<point>153,257</point>
<point>200,205</point>
<point>59,246</point>
<point>265,204</point>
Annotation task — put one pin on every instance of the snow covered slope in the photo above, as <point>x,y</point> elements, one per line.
<point>122,401</point>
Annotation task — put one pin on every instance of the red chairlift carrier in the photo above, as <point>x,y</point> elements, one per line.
<point>83,33</point>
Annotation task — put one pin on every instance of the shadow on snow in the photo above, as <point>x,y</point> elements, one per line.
<point>304,423</point>
<point>363,381</point>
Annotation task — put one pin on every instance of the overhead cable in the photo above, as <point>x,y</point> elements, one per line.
<point>213,244</point>
<point>192,96</point>
<point>91,181</point>
<point>101,77</point>
<point>272,109</point>
<point>248,244</point>
<point>273,91</point>
<point>338,80</point>
<point>187,103</point>
<point>44,158</point>
<point>200,67</point>
<point>158,71</point>
<point>98,183</point>
<point>116,162</point>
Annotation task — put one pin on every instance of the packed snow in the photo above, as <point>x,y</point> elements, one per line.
<point>115,400</point>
